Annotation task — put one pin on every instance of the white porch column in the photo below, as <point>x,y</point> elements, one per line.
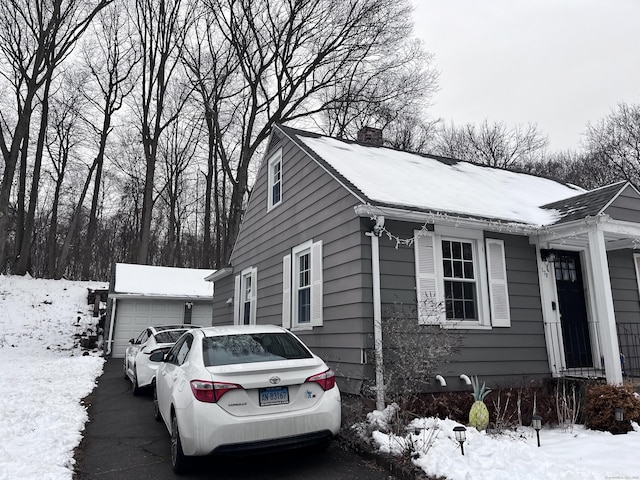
<point>604,306</point>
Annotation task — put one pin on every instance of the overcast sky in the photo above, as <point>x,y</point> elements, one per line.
<point>557,63</point>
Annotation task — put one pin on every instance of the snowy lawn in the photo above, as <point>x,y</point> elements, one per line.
<point>573,454</point>
<point>43,375</point>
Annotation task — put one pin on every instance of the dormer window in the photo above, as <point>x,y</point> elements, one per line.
<point>275,180</point>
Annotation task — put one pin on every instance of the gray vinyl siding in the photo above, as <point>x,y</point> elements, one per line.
<point>314,207</point>
<point>499,355</point>
<point>223,311</point>
<point>624,286</point>
<point>626,207</point>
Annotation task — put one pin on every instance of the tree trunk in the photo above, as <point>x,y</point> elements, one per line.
<point>25,249</point>
<point>66,246</point>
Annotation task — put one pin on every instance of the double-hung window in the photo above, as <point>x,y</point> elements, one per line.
<point>302,286</point>
<point>461,279</point>
<point>460,286</point>
<point>275,180</point>
<point>245,297</point>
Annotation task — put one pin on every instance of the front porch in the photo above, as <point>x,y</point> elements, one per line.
<point>592,329</point>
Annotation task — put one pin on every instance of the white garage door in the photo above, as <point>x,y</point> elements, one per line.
<point>134,315</point>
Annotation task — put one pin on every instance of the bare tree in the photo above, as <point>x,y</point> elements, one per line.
<point>294,59</point>
<point>35,37</point>
<point>614,142</point>
<point>411,133</point>
<point>63,136</point>
<point>213,70</point>
<point>385,90</point>
<point>577,168</point>
<point>161,26</point>
<point>177,150</point>
<point>111,59</point>
<point>491,144</point>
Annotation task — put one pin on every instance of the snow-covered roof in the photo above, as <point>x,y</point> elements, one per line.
<point>388,177</point>
<point>162,281</point>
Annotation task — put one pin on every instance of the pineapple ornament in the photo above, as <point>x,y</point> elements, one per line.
<point>479,414</point>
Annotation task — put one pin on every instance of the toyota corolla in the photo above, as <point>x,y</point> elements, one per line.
<point>243,389</point>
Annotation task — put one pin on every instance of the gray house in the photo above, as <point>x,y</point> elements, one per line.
<point>539,279</point>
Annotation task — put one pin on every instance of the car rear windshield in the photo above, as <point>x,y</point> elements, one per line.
<point>169,336</point>
<point>250,348</point>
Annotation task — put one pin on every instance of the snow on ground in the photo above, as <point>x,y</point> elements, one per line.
<point>574,454</point>
<point>43,375</point>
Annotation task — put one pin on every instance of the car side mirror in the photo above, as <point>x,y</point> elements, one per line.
<point>157,356</point>
<point>132,341</point>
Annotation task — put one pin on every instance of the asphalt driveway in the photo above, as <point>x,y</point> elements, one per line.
<point>122,441</point>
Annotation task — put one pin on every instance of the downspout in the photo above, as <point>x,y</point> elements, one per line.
<point>111,327</point>
<point>377,311</point>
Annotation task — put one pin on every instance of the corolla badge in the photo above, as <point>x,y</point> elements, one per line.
<point>274,380</point>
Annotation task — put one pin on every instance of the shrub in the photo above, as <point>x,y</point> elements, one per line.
<point>600,404</point>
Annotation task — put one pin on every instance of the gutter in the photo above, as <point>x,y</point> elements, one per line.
<point>370,211</point>
<point>377,311</point>
<point>111,327</point>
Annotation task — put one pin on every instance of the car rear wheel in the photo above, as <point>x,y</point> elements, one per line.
<point>156,408</point>
<point>179,461</point>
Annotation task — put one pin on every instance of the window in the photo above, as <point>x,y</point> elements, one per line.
<point>275,181</point>
<point>461,279</point>
<point>259,347</point>
<point>302,287</point>
<point>460,297</point>
<point>144,335</point>
<point>245,297</point>
<point>178,353</point>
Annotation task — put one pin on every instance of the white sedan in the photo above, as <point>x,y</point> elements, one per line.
<point>244,389</point>
<point>137,366</point>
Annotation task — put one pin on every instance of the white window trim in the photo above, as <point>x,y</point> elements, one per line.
<point>289,297</point>
<point>275,158</point>
<point>480,260</point>
<point>636,262</point>
<point>239,300</point>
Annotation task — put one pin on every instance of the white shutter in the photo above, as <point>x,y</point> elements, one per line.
<point>636,261</point>
<point>237,301</point>
<point>316,284</point>
<point>286,291</point>
<point>427,292</point>
<point>498,288</point>
<point>254,296</point>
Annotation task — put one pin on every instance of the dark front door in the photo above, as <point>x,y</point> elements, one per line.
<point>573,310</point>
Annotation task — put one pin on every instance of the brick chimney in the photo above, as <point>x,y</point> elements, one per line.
<point>370,136</point>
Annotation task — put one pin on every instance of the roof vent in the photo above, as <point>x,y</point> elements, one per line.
<point>370,136</point>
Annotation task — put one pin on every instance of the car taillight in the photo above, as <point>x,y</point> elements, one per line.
<point>210,392</point>
<point>327,380</point>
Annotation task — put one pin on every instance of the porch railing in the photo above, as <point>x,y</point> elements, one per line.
<point>580,362</point>
<point>629,340</point>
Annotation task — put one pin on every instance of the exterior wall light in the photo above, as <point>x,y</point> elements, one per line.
<point>461,435</point>
<point>536,423</point>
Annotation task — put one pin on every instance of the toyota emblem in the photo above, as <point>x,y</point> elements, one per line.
<point>274,380</point>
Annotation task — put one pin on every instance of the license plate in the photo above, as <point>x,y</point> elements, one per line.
<point>274,396</point>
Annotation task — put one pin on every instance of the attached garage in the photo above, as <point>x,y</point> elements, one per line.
<point>143,295</point>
